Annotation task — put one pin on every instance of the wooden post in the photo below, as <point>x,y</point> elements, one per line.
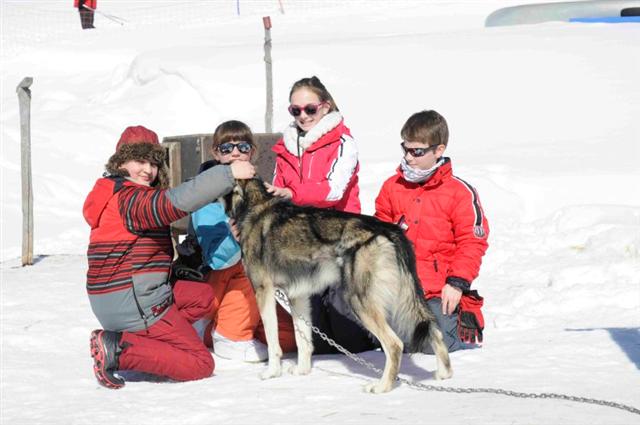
<point>268,117</point>
<point>24,99</point>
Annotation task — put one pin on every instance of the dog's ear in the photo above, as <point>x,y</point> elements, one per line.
<point>242,183</point>
<point>255,192</point>
<point>235,202</point>
<point>246,193</point>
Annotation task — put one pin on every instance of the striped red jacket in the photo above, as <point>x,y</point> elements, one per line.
<point>444,220</point>
<point>129,253</point>
<point>130,250</point>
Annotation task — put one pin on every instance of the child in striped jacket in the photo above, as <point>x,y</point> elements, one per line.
<point>146,322</point>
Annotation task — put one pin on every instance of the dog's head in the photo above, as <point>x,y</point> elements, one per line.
<point>245,196</point>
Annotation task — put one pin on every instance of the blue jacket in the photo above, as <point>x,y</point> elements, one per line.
<point>220,250</point>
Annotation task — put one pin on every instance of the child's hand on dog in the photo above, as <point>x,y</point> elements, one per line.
<point>282,192</point>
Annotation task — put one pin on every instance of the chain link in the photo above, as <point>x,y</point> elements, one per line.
<point>458,390</point>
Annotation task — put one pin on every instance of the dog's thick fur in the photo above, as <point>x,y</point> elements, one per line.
<point>303,250</point>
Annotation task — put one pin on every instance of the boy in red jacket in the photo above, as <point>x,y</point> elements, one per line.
<point>442,216</point>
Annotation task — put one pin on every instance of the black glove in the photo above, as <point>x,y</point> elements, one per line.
<point>189,253</point>
<point>188,265</point>
<point>468,328</point>
<point>182,272</point>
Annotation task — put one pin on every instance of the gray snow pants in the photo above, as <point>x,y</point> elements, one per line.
<point>448,326</point>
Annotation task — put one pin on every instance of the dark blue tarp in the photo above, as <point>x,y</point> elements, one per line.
<point>608,19</point>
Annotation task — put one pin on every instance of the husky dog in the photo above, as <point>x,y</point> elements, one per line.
<point>304,250</point>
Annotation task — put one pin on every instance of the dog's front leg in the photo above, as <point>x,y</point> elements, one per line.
<point>265,296</point>
<point>301,321</point>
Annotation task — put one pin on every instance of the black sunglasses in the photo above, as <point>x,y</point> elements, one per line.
<point>309,109</point>
<point>227,148</point>
<point>417,152</point>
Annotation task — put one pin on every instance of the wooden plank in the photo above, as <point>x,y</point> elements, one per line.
<point>186,153</point>
<point>24,98</point>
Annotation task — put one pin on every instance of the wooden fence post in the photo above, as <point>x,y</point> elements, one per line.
<point>24,99</point>
<point>268,117</point>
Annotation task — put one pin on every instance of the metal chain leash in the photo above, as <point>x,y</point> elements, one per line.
<point>283,297</point>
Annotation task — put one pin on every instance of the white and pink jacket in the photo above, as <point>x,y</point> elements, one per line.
<point>321,166</point>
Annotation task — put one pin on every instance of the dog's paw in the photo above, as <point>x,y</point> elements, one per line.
<point>299,370</point>
<point>270,373</point>
<point>443,373</point>
<point>377,387</point>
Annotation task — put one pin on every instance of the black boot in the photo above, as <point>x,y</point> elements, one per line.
<point>105,350</point>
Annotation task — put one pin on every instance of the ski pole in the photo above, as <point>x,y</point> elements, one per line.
<point>114,18</point>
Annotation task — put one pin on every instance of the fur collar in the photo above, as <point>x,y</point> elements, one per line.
<point>326,124</point>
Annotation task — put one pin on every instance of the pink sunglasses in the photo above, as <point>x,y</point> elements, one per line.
<point>309,109</point>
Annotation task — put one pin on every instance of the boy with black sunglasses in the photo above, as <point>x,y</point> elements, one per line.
<point>442,216</point>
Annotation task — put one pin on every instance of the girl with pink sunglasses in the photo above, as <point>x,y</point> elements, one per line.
<point>317,165</point>
<point>316,158</point>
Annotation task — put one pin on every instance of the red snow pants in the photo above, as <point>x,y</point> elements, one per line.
<point>171,347</point>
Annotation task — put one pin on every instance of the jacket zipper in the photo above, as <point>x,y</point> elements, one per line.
<point>135,298</point>
<point>310,162</point>
<point>435,265</point>
<point>299,157</point>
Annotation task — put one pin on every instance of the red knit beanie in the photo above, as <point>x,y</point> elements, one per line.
<point>139,144</point>
<point>137,134</point>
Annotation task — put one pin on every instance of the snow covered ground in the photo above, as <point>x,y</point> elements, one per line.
<point>544,122</point>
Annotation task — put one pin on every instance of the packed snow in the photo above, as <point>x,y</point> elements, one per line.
<point>544,122</point>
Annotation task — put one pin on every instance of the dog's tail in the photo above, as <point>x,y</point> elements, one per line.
<point>427,334</point>
<point>427,338</point>
<point>413,320</point>
<point>408,309</point>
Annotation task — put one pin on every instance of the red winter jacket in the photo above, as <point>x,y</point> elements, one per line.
<point>325,174</point>
<point>445,222</point>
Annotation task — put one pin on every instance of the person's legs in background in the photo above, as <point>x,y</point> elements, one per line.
<point>86,16</point>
